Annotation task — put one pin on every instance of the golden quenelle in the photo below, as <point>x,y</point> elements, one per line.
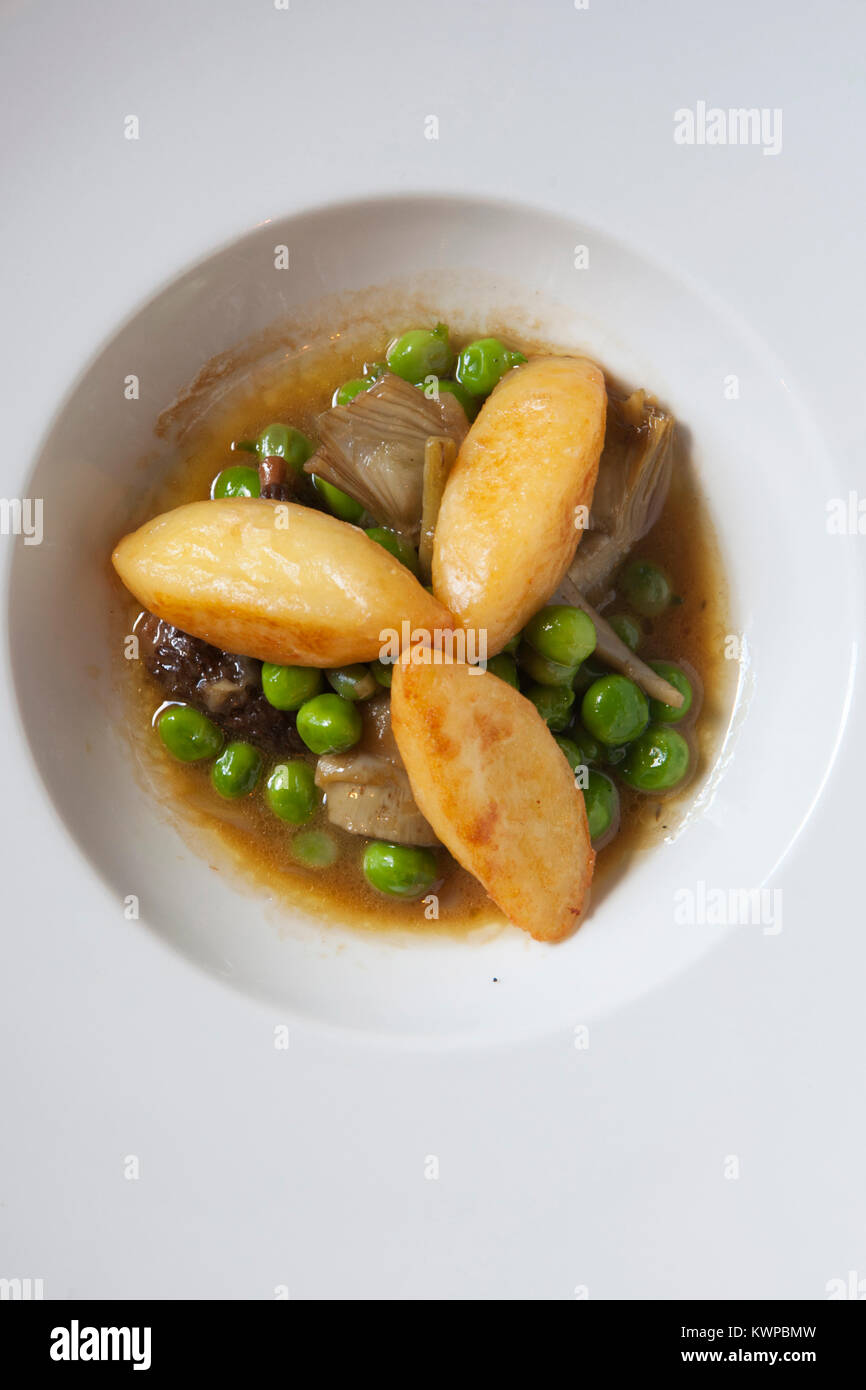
<point>276,581</point>
<point>517,497</point>
<point>497,791</point>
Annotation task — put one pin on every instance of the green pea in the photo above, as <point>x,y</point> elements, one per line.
<point>236,770</point>
<point>350,389</point>
<point>505,667</point>
<point>285,442</point>
<point>189,734</point>
<point>453,388</point>
<point>657,761</point>
<point>382,672</point>
<point>291,792</point>
<point>246,446</point>
<point>236,482</point>
<point>553,703</point>
<point>352,682</point>
<point>287,687</point>
<point>315,849</point>
<point>627,629</point>
<point>400,871</point>
<point>421,352</point>
<point>645,587</point>
<point>482,363</point>
<point>396,546</point>
<point>561,633</point>
<point>329,724</point>
<point>512,644</point>
<point>614,710</point>
<point>539,669</point>
<point>374,370</point>
<point>661,713</point>
<point>338,502</point>
<point>602,804</point>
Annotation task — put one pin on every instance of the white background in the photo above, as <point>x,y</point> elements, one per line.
<point>558,1167</point>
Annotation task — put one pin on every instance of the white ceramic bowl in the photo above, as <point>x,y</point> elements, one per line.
<point>766,482</point>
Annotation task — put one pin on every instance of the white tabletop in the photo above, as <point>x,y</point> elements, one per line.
<point>559,1169</point>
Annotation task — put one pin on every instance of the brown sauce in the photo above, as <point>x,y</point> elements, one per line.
<point>252,840</point>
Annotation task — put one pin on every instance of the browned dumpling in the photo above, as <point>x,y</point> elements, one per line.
<point>518,495</point>
<point>498,792</point>
<point>313,591</point>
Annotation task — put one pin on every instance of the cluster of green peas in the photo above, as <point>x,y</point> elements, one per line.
<point>328,721</point>
<point>424,354</point>
<point>618,725</point>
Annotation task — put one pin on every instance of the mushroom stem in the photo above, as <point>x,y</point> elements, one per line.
<point>276,485</point>
<point>615,652</point>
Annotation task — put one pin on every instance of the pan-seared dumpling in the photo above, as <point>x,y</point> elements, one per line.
<point>515,501</point>
<point>282,583</point>
<point>495,787</point>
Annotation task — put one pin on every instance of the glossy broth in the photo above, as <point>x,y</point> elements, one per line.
<point>251,838</point>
